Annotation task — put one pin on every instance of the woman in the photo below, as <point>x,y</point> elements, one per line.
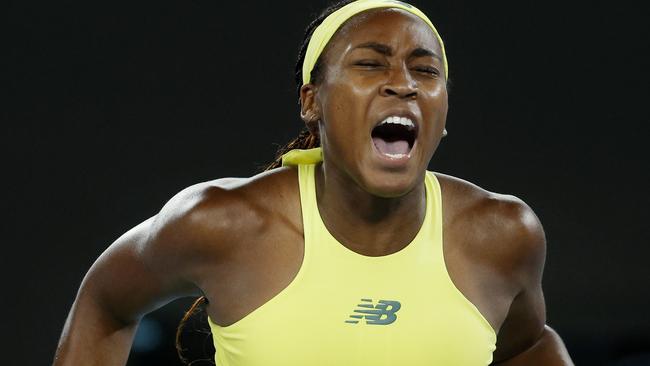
<point>344,256</point>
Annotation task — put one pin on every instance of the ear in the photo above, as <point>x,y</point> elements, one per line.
<point>309,109</point>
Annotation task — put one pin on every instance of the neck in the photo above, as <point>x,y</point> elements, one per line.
<point>366,223</point>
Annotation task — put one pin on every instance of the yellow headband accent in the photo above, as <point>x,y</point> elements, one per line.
<point>331,24</point>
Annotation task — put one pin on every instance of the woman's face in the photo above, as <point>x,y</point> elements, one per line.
<point>382,103</point>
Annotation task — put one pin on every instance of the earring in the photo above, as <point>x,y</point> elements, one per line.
<point>444,133</point>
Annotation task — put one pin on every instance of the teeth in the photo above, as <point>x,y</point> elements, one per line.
<point>399,120</point>
<point>395,156</point>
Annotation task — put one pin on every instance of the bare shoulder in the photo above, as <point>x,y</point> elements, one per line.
<point>499,228</point>
<point>206,221</point>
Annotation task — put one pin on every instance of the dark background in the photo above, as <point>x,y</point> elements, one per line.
<point>112,108</point>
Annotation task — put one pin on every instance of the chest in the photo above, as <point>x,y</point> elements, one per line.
<point>342,308</point>
<point>264,269</point>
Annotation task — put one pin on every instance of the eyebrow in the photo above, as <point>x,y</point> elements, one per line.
<point>423,52</point>
<point>388,50</point>
<point>377,47</point>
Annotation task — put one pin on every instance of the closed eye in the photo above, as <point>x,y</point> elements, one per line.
<point>432,71</point>
<point>367,63</point>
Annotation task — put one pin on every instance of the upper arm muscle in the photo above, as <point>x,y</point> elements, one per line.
<point>124,283</point>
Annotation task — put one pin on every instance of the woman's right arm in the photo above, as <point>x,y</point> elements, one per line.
<point>147,267</point>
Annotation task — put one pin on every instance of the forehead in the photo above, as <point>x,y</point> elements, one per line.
<point>386,25</point>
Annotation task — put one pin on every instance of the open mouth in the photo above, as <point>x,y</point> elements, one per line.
<point>394,137</point>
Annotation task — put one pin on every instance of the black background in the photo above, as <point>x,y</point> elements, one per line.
<point>112,108</point>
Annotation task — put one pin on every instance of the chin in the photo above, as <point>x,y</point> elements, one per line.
<point>390,184</point>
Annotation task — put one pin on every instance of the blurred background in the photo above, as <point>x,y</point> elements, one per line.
<point>112,108</point>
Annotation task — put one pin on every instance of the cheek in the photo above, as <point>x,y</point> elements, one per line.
<point>434,113</point>
<point>438,93</point>
<point>345,108</point>
<point>344,131</point>
<point>436,106</point>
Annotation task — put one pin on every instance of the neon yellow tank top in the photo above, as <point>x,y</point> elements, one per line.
<point>347,309</point>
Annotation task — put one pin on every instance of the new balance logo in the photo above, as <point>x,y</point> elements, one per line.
<point>381,314</point>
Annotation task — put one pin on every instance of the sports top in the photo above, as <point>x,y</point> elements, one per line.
<point>345,308</point>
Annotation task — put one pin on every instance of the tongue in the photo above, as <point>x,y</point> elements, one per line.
<point>391,147</point>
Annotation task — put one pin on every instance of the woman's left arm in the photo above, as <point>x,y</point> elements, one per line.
<point>524,339</point>
<point>548,350</point>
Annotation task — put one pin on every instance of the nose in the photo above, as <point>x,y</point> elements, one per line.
<point>400,84</point>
